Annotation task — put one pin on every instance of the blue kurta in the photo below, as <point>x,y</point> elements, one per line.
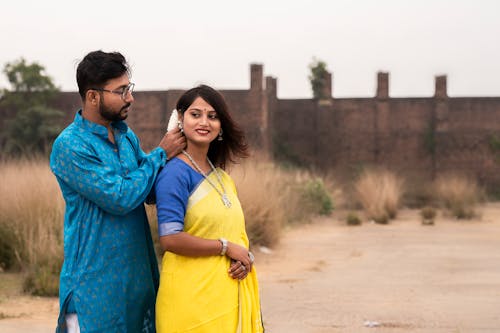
<point>110,273</point>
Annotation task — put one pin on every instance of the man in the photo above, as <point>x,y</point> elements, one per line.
<point>109,278</point>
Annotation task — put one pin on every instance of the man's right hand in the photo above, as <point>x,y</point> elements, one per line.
<point>173,142</point>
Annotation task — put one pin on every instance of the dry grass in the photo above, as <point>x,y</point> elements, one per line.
<point>32,213</point>
<point>31,218</point>
<point>272,197</point>
<point>153,223</point>
<point>459,195</point>
<point>379,193</point>
<point>32,209</point>
<point>334,189</point>
<point>263,191</point>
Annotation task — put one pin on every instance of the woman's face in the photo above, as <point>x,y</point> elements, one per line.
<point>201,123</point>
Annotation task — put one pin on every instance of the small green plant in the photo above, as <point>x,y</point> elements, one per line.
<point>428,214</point>
<point>494,143</point>
<point>317,78</point>
<point>353,219</point>
<point>316,197</point>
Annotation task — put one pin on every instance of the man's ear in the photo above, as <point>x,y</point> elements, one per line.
<point>92,97</point>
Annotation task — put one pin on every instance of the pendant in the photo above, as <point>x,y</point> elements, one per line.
<point>226,200</point>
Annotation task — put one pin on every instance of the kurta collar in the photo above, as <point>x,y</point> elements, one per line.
<point>96,128</point>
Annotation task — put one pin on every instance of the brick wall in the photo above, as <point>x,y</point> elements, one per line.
<point>421,137</point>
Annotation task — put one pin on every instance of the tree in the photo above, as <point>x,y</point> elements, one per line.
<point>318,78</point>
<point>32,125</point>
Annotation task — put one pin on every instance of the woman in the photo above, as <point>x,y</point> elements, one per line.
<point>207,282</point>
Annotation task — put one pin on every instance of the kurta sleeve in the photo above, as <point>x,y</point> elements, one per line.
<point>79,167</point>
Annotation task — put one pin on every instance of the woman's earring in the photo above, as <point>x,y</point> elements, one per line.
<point>220,135</point>
<point>179,124</point>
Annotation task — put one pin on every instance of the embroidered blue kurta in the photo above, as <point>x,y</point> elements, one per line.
<point>110,273</point>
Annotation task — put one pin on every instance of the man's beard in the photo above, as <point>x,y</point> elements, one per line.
<point>109,114</point>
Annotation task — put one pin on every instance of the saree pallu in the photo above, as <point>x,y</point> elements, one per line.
<point>196,294</point>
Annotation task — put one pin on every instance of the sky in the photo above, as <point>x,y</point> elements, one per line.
<point>179,44</point>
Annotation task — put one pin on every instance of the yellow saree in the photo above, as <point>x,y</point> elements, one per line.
<point>196,294</point>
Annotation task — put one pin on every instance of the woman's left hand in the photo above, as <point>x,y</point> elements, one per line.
<point>237,270</point>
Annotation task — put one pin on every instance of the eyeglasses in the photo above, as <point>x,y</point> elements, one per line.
<point>122,92</point>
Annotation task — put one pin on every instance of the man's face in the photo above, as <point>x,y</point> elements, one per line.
<point>114,106</point>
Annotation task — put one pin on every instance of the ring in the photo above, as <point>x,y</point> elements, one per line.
<point>252,258</point>
<point>244,268</point>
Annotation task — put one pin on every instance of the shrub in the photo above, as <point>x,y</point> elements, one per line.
<point>459,195</point>
<point>7,247</point>
<point>353,219</point>
<point>315,197</point>
<point>381,218</point>
<point>379,193</point>
<point>43,279</point>
<point>428,214</point>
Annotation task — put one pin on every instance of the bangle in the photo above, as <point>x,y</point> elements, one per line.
<point>223,241</point>
<point>251,256</point>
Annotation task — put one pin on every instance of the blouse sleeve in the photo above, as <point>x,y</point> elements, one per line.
<point>172,194</point>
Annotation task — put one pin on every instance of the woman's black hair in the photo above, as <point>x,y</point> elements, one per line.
<point>233,146</point>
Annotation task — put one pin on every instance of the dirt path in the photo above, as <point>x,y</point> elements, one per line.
<point>326,277</point>
<point>405,276</point>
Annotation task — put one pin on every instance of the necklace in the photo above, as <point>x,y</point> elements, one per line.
<point>223,194</point>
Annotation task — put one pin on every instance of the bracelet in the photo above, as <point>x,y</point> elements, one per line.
<point>251,256</point>
<point>224,246</point>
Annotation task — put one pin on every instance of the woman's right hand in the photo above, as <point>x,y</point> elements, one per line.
<point>239,253</point>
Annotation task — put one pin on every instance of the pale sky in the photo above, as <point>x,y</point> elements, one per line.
<point>179,44</point>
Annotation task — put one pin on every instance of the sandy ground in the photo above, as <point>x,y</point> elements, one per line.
<point>328,277</point>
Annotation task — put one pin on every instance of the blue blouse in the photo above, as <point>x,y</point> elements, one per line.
<point>110,273</point>
<point>173,187</point>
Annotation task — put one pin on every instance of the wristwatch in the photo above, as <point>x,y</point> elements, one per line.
<point>224,246</point>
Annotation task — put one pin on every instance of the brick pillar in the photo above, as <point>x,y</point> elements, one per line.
<point>256,112</point>
<point>382,85</point>
<point>327,87</point>
<point>272,87</point>
<point>439,125</point>
<point>270,108</point>
<point>382,118</point>
<point>256,77</point>
<point>440,87</point>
